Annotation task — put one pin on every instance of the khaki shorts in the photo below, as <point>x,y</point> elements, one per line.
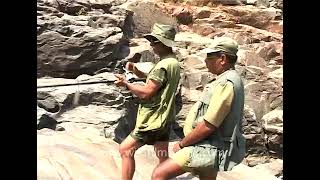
<point>183,158</point>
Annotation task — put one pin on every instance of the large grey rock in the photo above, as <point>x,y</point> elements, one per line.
<point>145,14</point>
<point>79,37</point>
<point>47,102</point>
<point>74,56</point>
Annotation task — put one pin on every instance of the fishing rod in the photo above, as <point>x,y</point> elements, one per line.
<point>84,83</point>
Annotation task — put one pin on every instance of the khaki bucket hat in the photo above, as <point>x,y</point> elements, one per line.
<point>164,33</point>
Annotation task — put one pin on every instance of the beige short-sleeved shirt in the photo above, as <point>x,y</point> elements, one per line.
<point>218,108</point>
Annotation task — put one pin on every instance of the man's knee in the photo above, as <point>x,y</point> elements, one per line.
<point>157,174</point>
<point>125,151</point>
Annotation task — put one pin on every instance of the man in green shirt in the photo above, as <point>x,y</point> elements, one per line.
<point>213,137</point>
<point>157,110</point>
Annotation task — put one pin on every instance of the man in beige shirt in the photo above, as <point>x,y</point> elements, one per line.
<point>213,140</point>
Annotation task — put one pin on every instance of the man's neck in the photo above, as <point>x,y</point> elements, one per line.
<point>165,54</point>
<point>226,69</point>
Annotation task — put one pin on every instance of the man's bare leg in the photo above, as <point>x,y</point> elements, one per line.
<point>161,150</point>
<point>127,149</point>
<point>167,170</point>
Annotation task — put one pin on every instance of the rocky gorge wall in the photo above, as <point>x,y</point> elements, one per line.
<point>81,41</point>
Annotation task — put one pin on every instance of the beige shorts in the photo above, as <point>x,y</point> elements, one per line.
<point>183,158</point>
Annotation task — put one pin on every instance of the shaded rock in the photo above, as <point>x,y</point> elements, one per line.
<point>183,15</point>
<point>250,124</point>
<point>47,102</point>
<point>256,144</point>
<point>45,121</point>
<point>275,144</point>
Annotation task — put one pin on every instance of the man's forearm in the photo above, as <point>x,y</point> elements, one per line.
<point>202,130</point>
<point>138,73</point>
<point>139,90</point>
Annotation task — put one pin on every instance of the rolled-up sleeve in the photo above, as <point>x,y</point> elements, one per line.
<point>159,75</point>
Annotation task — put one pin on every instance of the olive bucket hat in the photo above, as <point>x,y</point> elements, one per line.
<point>164,33</point>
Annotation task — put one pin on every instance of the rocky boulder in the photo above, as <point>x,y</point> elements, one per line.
<point>102,106</point>
<point>273,126</point>
<point>79,37</point>
<point>145,14</point>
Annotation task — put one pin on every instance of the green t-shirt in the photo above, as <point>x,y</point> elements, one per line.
<point>156,112</point>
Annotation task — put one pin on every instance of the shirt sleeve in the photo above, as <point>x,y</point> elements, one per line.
<point>159,75</point>
<point>220,104</point>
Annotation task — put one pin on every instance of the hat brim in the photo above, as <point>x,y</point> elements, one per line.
<point>209,50</point>
<point>165,41</point>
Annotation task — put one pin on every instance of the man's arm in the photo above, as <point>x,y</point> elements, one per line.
<point>131,67</point>
<point>200,132</point>
<point>142,91</point>
<point>219,107</point>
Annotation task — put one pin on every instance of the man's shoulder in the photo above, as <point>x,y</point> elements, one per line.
<point>169,61</point>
